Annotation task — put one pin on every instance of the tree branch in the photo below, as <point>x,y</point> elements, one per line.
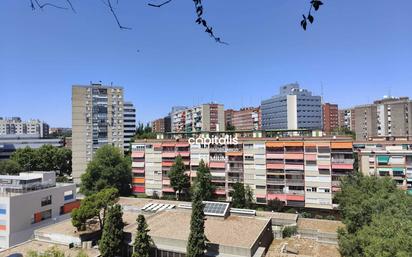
<point>159,5</point>
<point>109,4</point>
<point>201,21</point>
<point>314,4</point>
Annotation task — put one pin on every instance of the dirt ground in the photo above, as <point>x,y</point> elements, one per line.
<point>306,248</point>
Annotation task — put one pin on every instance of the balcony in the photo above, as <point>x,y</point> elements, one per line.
<point>275,181</point>
<point>295,182</point>
<point>294,172</point>
<point>342,161</point>
<point>275,191</point>
<point>295,192</point>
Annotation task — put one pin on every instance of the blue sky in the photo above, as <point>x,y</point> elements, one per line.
<point>358,50</point>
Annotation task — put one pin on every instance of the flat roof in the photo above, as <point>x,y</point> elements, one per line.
<point>278,215</point>
<point>236,231</point>
<point>328,226</point>
<point>41,246</point>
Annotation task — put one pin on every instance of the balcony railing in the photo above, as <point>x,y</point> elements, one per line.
<point>342,161</point>
<point>295,181</point>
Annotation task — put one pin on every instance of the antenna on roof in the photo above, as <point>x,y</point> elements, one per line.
<point>321,89</point>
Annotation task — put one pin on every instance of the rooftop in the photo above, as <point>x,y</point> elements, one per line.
<point>237,231</point>
<point>41,246</point>
<point>328,226</point>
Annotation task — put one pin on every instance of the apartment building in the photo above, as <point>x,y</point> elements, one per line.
<point>302,172</point>
<point>129,124</point>
<point>387,157</point>
<point>330,117</point>
<point>248,118</point>
<point>347,119</point>
<point>204,117</point>
<point>161,125</point>
<point>386,117</point>
<point>15,126</point>
<point>97,120</point>
<point>30,201</point>
<point>292,108</point>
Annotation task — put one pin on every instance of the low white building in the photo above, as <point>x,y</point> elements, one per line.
<point>29,201</point>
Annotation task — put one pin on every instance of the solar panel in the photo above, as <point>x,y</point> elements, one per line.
<point>215,208</point>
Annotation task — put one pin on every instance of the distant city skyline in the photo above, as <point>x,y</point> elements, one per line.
<point>167,60</point>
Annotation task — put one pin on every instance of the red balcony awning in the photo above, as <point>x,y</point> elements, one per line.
<point>138,154</point>
<point>220,165</point>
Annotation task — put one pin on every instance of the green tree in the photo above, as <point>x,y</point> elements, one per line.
<point>377,216</point>
<point>230,127</point>
<point>111,243</point>
<point>144,132</point>
<point>275,205</point>
<point>196,244</point>
<point>204,181</point>
<point>238,195</point>
<point>45,158</point>
<point>95,205</point>
<point>26,158</point>
<point>10,167</point>
<point>143,242</point>
<point>63,161</point>
<point>178,179</point>
<point>107,169</point>
<point>249,197</point>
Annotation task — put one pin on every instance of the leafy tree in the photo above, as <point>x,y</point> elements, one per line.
<point>10,167</point>
<point>63,161</point>
<point>238,195</point>
<point>196,244</point>
<point>143,241</point>
<point>230,127</point>
<point>178,179</point>
<point>45,158</point>
<point>110,245</point>
<point>204,181</point>
<point>378,218</point>
<point>275,205</point>
<point>107,169</point>
<point>26,158</point>
<point>248,197</point>
<point>144,132</point>
<point>95,205</point>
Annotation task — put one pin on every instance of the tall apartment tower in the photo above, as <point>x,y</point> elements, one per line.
<point>330,117</point>
<point>129,123</point>
<point>292,108</point>
<point>347,119</point>
<point>386,117</point>
<point>204,117</point>
<point>97,120</point>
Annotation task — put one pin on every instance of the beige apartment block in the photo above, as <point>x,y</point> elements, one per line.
<point>97,120</point>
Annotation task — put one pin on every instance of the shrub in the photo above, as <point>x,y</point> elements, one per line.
<point>289,231</point>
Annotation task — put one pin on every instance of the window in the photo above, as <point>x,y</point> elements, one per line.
<point>3,209</point>
<point>249,157</point>
<point>68,195</point>
<point>46,200</point>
